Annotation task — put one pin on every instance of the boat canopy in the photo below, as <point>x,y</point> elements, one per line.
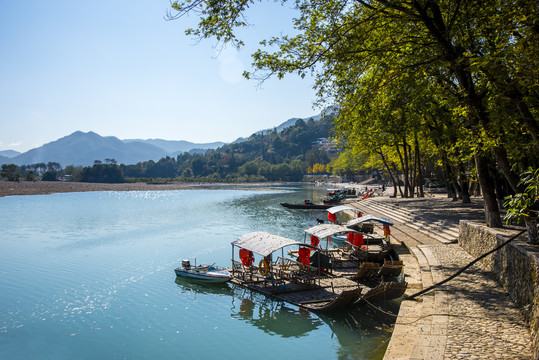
<point>263,243</point>
<point>325,230</point>
<point>369,217</point>
<point>336,209</point>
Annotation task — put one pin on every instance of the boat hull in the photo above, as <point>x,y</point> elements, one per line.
<point>307,206</point>
<point>216,276</point>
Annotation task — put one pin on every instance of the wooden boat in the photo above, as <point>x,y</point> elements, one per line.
<point>307,205</point>
<point>311,281</point>
<point>203,273</point>
<point>349,247</point>
<point>335,210</point>
<point>376,245</point>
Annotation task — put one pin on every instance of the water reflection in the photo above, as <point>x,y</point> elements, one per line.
<point>274,317</point>
<point>354,329</point>
<point>271,316</point>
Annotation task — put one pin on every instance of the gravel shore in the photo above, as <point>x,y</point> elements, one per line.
<point>9,188</point>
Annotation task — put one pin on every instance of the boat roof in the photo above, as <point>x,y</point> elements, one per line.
<point>263,243</point>
<point>369,217</point>
<point>336,209</point>
<point>325,230</point>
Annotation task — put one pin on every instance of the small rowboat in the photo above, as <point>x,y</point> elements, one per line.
<point>202,273</point>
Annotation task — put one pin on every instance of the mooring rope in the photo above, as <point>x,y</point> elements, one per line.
<point>413,296</point>
<point>379,308</point>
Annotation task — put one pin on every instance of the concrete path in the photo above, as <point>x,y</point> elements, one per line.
<point>470,317</point>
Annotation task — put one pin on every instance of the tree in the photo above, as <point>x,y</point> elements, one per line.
<point>476,52</point>
<point>525,205</point>
<point>10,172</point>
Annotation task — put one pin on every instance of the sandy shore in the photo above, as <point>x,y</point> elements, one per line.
<point>9,188</point>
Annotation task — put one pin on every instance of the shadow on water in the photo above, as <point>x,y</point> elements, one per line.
<point>362,332</point>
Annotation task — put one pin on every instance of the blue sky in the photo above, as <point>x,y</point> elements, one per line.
<point>119,69</point>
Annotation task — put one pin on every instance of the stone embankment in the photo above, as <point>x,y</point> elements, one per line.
<point>469,317</point>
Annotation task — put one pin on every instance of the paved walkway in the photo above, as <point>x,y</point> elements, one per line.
<point>470,317</point>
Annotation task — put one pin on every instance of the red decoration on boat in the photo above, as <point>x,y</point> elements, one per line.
<point>332,218</point>
<point>304,254</point>
<point>314,240</point>
<point>247,257</point>
<point>387,231</point>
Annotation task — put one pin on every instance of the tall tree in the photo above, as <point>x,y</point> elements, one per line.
<point>477,51</point>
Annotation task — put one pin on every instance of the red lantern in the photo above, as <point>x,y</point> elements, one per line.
<point>246,257</point>
<point>304,254</point>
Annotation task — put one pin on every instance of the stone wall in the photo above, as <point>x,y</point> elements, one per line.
<point>515,266</point>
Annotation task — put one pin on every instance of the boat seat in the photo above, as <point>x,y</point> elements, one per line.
<point>238,269</point>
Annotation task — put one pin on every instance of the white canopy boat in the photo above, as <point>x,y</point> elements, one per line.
<point>311,281</point>
<point>333,211</point>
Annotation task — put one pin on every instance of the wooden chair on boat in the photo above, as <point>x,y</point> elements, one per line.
<point>283,268</point>
<point>238,270</point>
<point>248,274</point>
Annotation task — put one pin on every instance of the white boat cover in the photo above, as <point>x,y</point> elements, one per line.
<point>369,217</point>
<point>263,243</point>
<point>336,209</point>
<point>324,230</point>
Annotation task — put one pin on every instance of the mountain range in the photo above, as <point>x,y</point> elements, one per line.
<point>82,149</point>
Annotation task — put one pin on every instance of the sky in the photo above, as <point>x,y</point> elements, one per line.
<point>118,68</point>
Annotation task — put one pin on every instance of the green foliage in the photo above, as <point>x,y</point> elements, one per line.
<point>448,83</point>
<point>265,156</point>
<point>10,172</point>
<point>525,204</point>
<point>50,176</point>
<point>102,173</point>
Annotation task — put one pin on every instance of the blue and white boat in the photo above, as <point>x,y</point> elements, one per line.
<point>202,273</point>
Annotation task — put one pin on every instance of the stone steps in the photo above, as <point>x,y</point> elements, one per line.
<point>440,230</point>
<point>421,328</point>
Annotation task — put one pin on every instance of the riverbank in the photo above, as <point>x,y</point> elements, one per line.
<point>10,188</point>
<point>469,317</point>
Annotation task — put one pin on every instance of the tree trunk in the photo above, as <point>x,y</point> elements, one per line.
<point>492,212</point>
<point>464,184</point>
<point>398,179</point>
<point>419,171</point>
<point>531,227</point>
<point>498,185</point>
<point>503,162</point>
<point>412,160</point>
<point>450,182</point>
<point>389,172</point>
<point>404,169</point>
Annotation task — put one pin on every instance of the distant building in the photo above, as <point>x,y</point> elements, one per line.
<point>326,145</point>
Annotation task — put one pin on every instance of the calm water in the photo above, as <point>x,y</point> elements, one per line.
<point>90,275</point>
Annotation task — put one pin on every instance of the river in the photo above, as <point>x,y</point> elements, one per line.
<point>90,275</point>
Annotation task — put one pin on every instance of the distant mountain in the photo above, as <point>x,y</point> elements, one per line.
<point>83,149</point>
<point>9,153</point>
<point>176,147</point>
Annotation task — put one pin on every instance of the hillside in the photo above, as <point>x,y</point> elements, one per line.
<point>264,156</point>
<point>82,149</point>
